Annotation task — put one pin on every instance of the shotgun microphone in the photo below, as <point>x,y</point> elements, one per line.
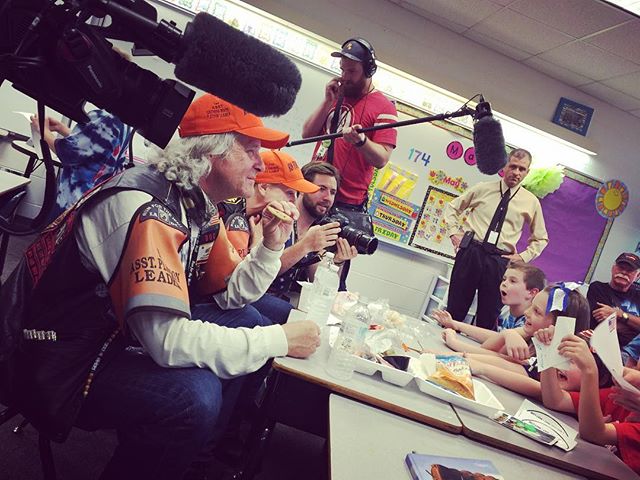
<point>222,60</point>
<point>488,140</point>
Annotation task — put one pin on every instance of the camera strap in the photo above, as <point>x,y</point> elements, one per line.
<point>335,120</point>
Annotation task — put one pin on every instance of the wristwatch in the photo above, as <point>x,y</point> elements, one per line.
<point>625,317</point>
<point>361,142</point>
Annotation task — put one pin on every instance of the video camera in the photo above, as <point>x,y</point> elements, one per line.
<point>365,244</point>
<point>50,53</point>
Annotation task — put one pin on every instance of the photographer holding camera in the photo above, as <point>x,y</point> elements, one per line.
<point>313,232</point>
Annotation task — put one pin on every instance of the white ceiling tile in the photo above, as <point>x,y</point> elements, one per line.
<point>521,32</point>
<point>462,12</point>
<point>612,96</point>
<point>455,27</point>
<point>589,60</point>
<point>623,40</point>
<point>629,84</point>
<point>497,45</point>
<point>574,17</point>
<point>557,72</point>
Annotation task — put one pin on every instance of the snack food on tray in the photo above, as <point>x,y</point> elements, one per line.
<point>451,372</point>
<point>394,318</point>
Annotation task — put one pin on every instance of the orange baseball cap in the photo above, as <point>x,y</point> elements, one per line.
<point>210,114</point>
<point>280,167</point>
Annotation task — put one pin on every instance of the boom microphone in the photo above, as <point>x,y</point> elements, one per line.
<point>488,140</point>
<point>221,60</point>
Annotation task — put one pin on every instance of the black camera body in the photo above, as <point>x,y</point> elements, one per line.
<point>49,52</point>
<point>365,244</point>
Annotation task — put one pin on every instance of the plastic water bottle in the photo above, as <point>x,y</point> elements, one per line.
<point>326,287</point>
<point>349,341</point>
<point>325,263</point>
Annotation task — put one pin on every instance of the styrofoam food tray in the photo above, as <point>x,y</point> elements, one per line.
<point>389,374</point>
<point>486,402</point>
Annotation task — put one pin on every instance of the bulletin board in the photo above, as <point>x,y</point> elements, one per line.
<point>442,156</point>
<point>577,232</point>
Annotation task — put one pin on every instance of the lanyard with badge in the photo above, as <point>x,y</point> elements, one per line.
<point>495,227</point>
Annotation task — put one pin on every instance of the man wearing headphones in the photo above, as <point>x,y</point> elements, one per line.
<point>351,102</point>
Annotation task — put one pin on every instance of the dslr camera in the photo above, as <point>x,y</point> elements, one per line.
<point>365,244</point>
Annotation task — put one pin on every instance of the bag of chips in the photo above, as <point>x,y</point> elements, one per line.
<point>450,372</point>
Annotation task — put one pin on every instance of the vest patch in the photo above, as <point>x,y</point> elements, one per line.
<point>156,211</point>
<point>237,222</point>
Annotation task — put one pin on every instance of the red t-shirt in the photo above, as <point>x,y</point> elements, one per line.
<point>628,433</point>
<point>356,173</point>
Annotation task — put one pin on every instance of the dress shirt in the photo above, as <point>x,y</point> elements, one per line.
<point>481,201</point>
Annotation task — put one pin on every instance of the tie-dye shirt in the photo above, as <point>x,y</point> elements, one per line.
<point>506,320</point>
<point>93,152</point>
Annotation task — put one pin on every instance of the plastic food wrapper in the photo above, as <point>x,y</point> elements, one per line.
<point>380,343</point>
<point>378,309</point>
<point>393,318</point>
<point>451,372</point>
<point>343,302</point>
<point>397,181</point>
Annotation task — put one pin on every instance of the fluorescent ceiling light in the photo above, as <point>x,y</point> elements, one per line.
<point>632,6</point>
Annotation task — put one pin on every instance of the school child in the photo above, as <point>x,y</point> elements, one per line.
<point>601,421</point>
<point>508,358</point>
<point>520,284</point>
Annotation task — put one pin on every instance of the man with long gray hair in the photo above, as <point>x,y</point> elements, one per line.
<point>133,258</point>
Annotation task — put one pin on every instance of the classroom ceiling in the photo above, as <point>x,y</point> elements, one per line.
<point>588,44</point>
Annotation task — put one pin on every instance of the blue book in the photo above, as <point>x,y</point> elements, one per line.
<point>435,467</point>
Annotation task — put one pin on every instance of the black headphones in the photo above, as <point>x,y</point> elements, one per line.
<point>369,66</point>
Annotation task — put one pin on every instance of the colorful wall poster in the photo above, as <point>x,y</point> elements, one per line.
<point>612,198</point>
<point>393,217</point>
<point>430,233</point>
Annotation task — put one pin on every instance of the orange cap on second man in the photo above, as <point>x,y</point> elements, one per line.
<point>281,168</point>
<point>210,114</point>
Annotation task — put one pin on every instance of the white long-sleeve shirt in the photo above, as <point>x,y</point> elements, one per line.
<point>173,340</point>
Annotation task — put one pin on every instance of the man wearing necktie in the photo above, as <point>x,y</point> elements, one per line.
<point>486,240</point>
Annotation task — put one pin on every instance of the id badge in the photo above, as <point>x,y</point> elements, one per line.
<point>322,149</point>
<point>493,237</point>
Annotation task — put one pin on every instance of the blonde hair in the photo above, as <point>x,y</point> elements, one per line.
<point>186,160</point>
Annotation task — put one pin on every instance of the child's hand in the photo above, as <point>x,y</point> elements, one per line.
<point>515,345</point>
<point>586,334</point>
<point>443,318</point>
<point>632,375</point>
<point>545,335</point>
<point>449,336</point>
<point>576,349</point>
<point>628,400</point>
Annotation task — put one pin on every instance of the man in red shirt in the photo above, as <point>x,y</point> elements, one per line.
<point>351,102</point>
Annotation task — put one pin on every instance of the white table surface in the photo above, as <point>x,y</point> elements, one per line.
<point>368,443</point>
<point>407,401</point>
<point>10,181</point>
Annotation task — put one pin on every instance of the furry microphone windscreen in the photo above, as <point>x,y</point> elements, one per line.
<point>249,73</point>
<point>488,140</point>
